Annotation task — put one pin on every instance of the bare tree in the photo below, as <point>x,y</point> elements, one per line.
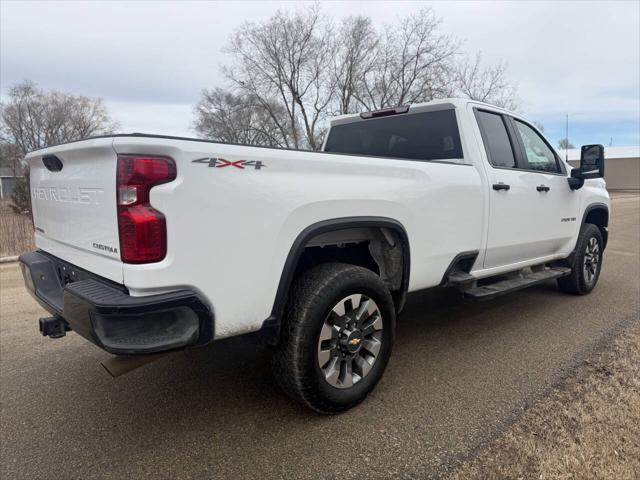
<point>565,144</point>
<point>297,69</point>
<point>11,159</point>
<point>226,117</point>
<point>486,83</point>
<point>282,62</point>
<point>414,64</point>
<point>32,119</point>
<point>355,58</point>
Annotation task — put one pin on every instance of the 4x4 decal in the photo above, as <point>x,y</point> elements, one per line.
<point>221,163</point>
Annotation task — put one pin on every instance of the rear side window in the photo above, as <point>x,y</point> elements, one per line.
<point>415,136</point>
<point>496,140</point>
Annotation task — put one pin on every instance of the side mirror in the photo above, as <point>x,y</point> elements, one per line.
<point>591,166</point>
<point>592,161</point>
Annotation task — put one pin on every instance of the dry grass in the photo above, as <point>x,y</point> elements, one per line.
<point>16,234</point>
<point>5,206</point>
<point>589,428</point>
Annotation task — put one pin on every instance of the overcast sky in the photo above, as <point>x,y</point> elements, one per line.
<point>150,60</point>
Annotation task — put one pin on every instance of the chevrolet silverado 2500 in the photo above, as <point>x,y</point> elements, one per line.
<point>149,243</point>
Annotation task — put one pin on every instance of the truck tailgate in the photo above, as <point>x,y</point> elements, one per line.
<point>73,195</point>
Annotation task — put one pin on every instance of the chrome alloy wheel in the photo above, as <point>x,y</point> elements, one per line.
<point>350,341</point>
<point>591,260</point>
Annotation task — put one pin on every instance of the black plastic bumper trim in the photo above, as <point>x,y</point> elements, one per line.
<point>78,299</point>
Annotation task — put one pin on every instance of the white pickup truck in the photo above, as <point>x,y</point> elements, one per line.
<point>150,243</point>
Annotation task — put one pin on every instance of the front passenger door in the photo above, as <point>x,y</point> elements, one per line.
<point>559,224</point>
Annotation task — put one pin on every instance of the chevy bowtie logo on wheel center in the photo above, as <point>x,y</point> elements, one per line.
<point>354,341</point>
<point>221,163</point>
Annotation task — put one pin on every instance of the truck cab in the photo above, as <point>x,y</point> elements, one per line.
<point>530,210</point>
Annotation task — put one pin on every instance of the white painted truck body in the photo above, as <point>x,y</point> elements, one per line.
<point>230,230</point>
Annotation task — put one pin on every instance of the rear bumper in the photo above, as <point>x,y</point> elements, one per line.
<point>104,313</point>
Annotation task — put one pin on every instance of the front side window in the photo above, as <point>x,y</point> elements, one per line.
<point>539,154</point>
<point>413,136</point>
<point>496,140</point>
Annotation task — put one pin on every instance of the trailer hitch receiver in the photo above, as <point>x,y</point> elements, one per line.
<point>54,327</point>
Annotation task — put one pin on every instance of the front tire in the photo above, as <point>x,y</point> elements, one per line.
<point>337,337</point>
<point>586,264</point>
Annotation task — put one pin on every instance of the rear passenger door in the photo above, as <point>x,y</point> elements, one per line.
<point>523,201</point>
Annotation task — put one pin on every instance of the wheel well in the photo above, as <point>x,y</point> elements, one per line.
<point>378,243</point>
<point>599,216</point>
<point>375,248</point>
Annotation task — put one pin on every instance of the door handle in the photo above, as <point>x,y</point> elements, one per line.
<point>501,186</point>
<point>543,188</point>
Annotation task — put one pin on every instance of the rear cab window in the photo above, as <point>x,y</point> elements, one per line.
<point>422,136</point>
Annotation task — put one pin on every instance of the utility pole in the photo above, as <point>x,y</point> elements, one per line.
<point>566,138</point>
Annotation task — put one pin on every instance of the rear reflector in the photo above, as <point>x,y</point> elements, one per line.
<point>142,228</point>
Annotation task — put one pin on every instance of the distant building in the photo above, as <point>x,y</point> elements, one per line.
<point>7,182</point>
<point>621,166</point>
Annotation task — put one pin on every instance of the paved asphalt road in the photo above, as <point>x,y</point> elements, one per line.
<point>460,373</point>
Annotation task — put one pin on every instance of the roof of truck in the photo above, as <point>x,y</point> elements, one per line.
<point>441,102</point>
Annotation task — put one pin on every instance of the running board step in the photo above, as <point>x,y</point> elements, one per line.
<point>460,279</point>
<point>493,290</point>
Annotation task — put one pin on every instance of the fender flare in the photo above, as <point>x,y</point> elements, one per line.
<point>598,206</point>
<point>330,225</point>
<point>605,236</point>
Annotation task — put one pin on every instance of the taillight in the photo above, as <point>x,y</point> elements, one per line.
<point>142,228</point>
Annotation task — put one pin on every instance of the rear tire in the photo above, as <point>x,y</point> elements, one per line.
<point>337,337</point>
<point>586,264</point>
